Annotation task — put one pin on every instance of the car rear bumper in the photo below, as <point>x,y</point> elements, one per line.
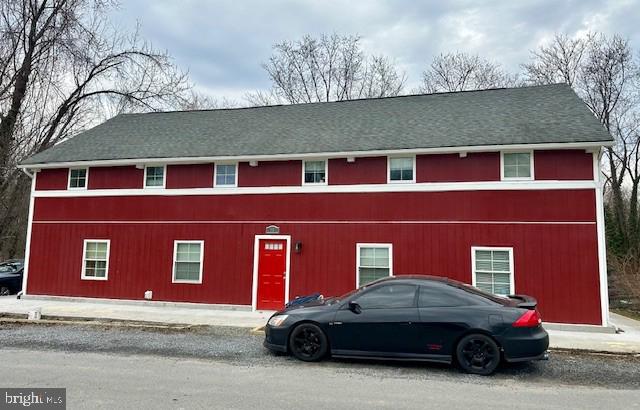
<point>525,344</point>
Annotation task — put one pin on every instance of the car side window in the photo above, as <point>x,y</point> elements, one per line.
<point>388,297</point>
<point>442,295</point>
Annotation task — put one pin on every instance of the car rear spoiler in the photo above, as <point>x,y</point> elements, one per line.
<point>524,301</point>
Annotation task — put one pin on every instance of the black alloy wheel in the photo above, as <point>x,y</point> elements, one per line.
<point>308,342</point>
<point>478,354</point>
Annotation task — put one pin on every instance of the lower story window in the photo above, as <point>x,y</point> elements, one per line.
<point>187,261</point>
<point>374,261</point>
<point>493,269</point>
<point>95,259</point>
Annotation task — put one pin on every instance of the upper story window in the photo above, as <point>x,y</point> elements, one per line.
<point>78,178</point>
<point>95,259</point>
<point>402,169</point>
<point>226,175</point>
<point>517,165</point>
<point>154,176</point>
<point>315,172</point>
<point>493,269</point>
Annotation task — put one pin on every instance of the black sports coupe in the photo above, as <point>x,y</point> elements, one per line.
<point>11,276</point>
<point>413,318</point>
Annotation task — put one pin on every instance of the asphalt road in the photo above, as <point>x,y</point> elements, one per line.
<point>105,367</point>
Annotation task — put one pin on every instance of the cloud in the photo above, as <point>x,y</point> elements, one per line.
<point>222,43</point>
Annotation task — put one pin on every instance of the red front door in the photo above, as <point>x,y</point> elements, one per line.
<point>272,266</point>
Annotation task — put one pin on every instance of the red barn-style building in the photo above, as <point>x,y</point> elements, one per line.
<point>251,207</point>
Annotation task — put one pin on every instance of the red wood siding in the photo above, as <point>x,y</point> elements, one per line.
<point>367,170</point>
<point>270,173</point>
<point>556,263</point>
<point>481,166</point>
<point>190,176</point>
<point>553,205</point>
<point>48,179</point>
<point>128,177</point>
<point>563,165</point>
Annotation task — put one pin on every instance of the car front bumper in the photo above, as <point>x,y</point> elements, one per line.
<point>275,338</point>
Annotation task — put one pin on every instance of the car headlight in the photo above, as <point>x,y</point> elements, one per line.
<point>277,321</point>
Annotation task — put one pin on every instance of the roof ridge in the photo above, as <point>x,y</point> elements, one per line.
<point>256,107</point>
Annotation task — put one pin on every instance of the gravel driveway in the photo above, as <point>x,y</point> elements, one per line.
<point>236,346</point>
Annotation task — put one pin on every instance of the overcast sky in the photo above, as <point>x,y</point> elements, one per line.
<point>223,42</point>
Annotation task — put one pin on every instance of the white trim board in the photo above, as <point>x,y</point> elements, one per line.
<point>316,188</point>
<point>256,253</point>
<point>27,248</point>
<point>602,248</point>
<point>328,155</point>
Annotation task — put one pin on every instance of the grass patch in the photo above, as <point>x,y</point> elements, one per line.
<point>630,313</point>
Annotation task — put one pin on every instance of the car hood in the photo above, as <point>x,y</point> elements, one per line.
<point>318,303</point>
<point>4,275</point>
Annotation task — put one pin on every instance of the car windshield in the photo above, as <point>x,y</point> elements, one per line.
<point>10,266</point>
<point>347,295</point>
<point>7,268</point>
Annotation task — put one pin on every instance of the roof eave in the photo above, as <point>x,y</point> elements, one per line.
<point>341,154</point>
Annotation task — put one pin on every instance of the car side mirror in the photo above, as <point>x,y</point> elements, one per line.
<point>355,307</point>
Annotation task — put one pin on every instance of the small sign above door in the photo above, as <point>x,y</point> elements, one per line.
<point>272,230</point>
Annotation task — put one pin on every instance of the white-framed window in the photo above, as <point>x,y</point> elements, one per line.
<point>373,261</point>
<point>401,169</point>
<point>516,165</point>
<point>78,178</point>
<point>188,257</point>
<point>492,269</point>
<point>314,172</point>
<point>226,175</point>
<point>154,176</point>
<point>95,259</point>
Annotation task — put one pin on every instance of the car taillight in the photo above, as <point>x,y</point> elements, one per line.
<point>530,318</point>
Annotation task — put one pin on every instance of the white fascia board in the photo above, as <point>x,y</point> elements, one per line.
<point>327,155</point>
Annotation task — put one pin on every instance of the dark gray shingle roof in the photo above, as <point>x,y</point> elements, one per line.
<point>527,115</point>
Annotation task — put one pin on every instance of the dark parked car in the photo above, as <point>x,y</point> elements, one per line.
<point>414,318</point>
<point>11,276</point>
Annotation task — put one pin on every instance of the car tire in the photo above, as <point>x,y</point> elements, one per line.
<point>307,342</point>
<point>4,291</point>
<point>478,354</point>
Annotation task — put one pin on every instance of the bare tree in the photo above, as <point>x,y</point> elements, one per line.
<point>557,62</point>
<point>329,68</point>
<point>63,68</point>
<point>198,101</point>
<point>602,71</point>
<point>462,72</point>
